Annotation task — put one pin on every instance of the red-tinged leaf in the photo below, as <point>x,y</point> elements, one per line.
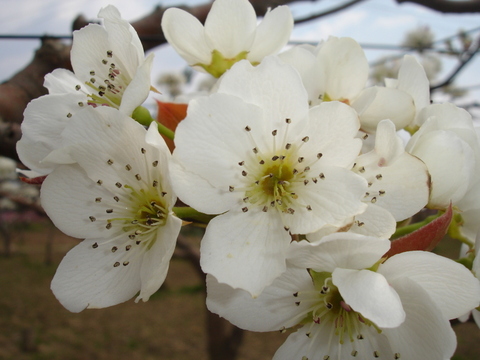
<point>425,238</point>
<point>170,115</point>
<point>34,181</point>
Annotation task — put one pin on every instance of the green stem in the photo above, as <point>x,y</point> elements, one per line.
<point>405,230</point>
<point>143,116</point>
<point>467,261</point>
<point>162,129</point>
<point>190,214</point>
<point>455,233</point>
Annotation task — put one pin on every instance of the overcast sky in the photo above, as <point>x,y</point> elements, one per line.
<point>370,22</point>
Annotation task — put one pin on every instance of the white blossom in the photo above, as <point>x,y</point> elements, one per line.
<point>109,69</point>
<point>230,34</point>
<point>337,69</point>
<point>118,197</point>
<point>269,165</point>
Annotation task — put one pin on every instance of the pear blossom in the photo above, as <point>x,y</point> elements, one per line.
<point>109,69</point>
<point>353,304</point>
<point>230,34</point>
<point>269,165</point>
<point>118,198</point>
<point>337,69</point>
<point>400,100</point>
<point>398,186</point>
<point>447,143</point>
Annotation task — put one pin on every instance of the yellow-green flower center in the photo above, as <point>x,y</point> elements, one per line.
<point>220,64</point>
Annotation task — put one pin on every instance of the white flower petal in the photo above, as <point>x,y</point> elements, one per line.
<point>450,162</point>
<point>339,250</point>
<point>451,286</point>
<point>272,33</point>
<point>280,97</point>
<point>388,144</point>
<point>123,38</point>
<point>345,67</point>
<point>374,221</point>
<point>45,119</point>
<point>63,81</point>
<point>86,278</point>
<point>446,117</point>
<point>245,250</point>
<point>304,61</point>
<point>201,197</point>
<point>413,80</point>
<point>425,334</point>
<point>154,139</point>
<point>57,195</point>
<point>186,35</point>
<point>197,138</point>
<point>230,26</point>
<point>156,260</point>
<point>272,310</point>
<point>336,197</point>
<point>333,127</point>
<point>370,294</point>
<point>376,103</point>
<point>89,47</point>
<point>138,89</point>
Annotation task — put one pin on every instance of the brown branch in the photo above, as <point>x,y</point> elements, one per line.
<point>328,12</point>
<point>464,60</point>
<point>446,6</point>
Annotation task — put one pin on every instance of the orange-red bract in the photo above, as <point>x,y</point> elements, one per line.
<point>170,115</point>
<point>425,238</point>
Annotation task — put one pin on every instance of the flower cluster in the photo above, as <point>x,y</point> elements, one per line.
<point>294,165</point>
